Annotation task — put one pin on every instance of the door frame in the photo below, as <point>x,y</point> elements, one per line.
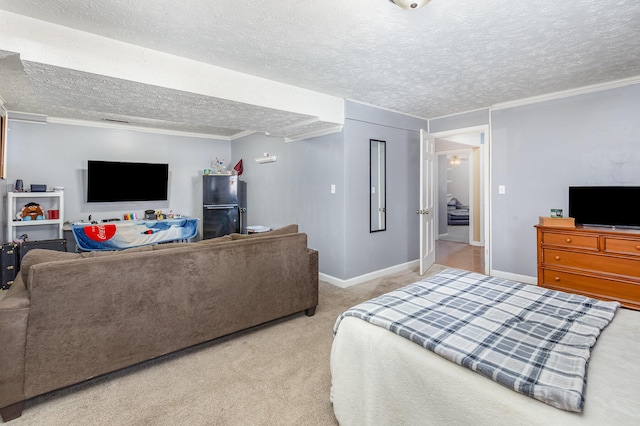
<point>485,184</point>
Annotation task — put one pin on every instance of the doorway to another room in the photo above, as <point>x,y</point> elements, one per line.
<point>455,187</point>
<point>461,177</point>
<point>460,255</point>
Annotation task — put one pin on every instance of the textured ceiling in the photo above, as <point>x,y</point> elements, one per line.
<point>449,56</point>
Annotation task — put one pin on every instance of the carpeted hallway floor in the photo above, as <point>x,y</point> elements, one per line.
<point>275,374</point>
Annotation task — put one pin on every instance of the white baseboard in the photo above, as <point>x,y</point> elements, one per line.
<point>515,277</point>
<point>369,276</point>
<point>410,265</point>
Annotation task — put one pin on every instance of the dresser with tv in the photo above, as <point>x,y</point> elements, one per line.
<point>599,262</point>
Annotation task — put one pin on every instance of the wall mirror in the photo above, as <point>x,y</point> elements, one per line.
<point>377,185</point>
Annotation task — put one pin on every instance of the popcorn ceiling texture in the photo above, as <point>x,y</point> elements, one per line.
<point>69,90</point>
<point>449,56</point>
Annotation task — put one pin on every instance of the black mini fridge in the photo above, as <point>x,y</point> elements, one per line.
<point>224,199</point>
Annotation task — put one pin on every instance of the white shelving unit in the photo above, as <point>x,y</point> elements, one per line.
<point>54,200</point>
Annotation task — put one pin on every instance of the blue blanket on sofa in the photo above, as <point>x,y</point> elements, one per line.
<point>133,233</point>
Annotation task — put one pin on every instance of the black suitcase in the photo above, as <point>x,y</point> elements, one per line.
<point>58,244</point>
<point>9,262</point>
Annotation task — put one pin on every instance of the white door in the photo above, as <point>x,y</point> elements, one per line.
<point>427,208</point>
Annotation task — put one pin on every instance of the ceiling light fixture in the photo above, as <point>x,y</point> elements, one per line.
<point>410,4</point>
<point>455,160</point>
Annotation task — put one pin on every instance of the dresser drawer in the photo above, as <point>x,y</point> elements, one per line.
<point>599,263</point>
<point>590,286</point>
<point>570,240</point>
<point>621,245</point>
<point>629,267</point>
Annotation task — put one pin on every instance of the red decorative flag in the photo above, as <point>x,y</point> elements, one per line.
<point>238,167</point>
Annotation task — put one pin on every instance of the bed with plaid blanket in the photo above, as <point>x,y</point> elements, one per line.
<point>532,340</point>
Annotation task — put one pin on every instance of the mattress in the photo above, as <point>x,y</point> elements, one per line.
<point>380,378</point>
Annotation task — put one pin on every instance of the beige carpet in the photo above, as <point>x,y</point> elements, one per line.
<point>275,374</point>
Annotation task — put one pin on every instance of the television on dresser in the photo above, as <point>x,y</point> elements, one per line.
<point>606,206</point>
<point>112,181</point>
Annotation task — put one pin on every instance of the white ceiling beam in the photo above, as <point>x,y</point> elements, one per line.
<point>46,43</point>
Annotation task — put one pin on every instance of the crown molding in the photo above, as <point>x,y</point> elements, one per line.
<point>242,134</point>
<point>386,109</point>
<point>324,132</point>
<point>460,113</point>
<point>568,93</point>
<point>26,117</point>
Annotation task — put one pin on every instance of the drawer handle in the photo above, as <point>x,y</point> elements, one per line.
<point>557,257</point>
<point>637,247</point>
<point>568,240</point>
<point>556,278</point>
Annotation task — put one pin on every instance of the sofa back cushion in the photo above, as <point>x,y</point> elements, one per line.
<point>289,229</point>
<point>35,256</point>
<point>115,252</point>
<point>216,240</point>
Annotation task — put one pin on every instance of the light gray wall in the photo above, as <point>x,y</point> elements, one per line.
<point>297,189</point>
<point>539,150</point>
<point>294,189</point>
<point>367,252</point>
<point>57,154</point>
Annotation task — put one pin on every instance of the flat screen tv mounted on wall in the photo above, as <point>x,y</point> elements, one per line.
<point>110,181</point>
<point>610,206</point>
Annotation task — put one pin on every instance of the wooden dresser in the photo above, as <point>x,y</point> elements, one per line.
<point>596,262</point>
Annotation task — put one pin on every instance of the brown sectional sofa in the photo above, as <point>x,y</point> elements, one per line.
<point>70,317</point>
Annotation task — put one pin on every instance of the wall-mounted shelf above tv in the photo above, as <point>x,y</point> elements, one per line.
<point>269,159</point>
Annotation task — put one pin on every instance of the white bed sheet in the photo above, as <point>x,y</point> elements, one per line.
<point>380,378</point>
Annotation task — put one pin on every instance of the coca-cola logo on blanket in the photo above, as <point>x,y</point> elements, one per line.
<point>100,232</point>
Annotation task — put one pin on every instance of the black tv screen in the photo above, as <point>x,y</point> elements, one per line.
<point>605,205</point>
<point>109,181</point>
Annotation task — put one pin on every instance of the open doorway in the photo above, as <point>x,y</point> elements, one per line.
<point>455,195</point>
<point>461,178</point>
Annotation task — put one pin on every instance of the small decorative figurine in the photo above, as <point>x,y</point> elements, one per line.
<point>31,211</point>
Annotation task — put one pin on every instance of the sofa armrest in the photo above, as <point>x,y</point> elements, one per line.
<point>313,281</point>
<point>14,312</point>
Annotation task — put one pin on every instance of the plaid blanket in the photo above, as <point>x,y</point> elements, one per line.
<point>532,340</point>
